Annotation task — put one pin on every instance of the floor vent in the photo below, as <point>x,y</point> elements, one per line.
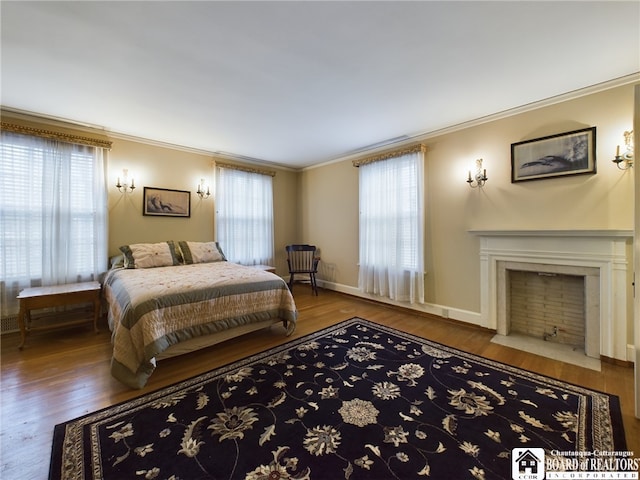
<point>9,324</point>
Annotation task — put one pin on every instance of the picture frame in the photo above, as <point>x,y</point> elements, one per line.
<point>569,153</point>
<point>164,202</point>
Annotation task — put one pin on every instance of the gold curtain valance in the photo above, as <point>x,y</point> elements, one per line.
<point>63,137</point>
<point>242,168</point>
<point>391,154</point>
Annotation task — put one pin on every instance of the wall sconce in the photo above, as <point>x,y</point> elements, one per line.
<point>480,178</point>
<point>201,191</point>
<point>625,159</point>
<point>124,186</point>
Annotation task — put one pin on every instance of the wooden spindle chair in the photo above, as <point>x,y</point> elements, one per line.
<point>303,259</point>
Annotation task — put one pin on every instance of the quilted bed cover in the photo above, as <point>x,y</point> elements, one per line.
<point>151,309</point>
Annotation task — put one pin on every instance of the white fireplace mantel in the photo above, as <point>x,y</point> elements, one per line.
<point>606,250</point>
<point>553,233</point>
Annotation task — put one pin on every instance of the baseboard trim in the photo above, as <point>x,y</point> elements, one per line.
<point>450,313</point>
<point>616,361</point>
<point>464,316</point>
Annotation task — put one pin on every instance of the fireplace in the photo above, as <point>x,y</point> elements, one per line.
<point>550,306</point>
<point>590,277</point>
<point>601,258</point>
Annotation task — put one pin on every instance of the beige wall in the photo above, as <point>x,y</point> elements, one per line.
<point>329,195</point>
<point>155,166</point>
<point>329,219</point>
<point>285,209</point>
<point>163,167</point>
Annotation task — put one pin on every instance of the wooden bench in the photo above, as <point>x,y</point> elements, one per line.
<point>56,296</point>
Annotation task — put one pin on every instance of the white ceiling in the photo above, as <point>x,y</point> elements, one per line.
<point>301,83</point>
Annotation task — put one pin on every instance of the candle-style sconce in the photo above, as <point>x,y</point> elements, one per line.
<point>201,192</point>
<point>625,161</point>
<point>480,177</point>
<point>124,186</point>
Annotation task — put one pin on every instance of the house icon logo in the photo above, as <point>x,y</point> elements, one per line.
<point>527,464</point>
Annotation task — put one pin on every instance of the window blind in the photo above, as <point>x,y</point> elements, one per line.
<point>244,215</point>
<point>53,222</point>
<point>391,227</point>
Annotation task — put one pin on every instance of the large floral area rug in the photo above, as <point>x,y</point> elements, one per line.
<point>357,400</point>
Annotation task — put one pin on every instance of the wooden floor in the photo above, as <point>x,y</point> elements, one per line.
<point>64,374</point>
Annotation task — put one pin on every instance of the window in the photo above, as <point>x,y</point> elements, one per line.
<point>392,227</point>
<point>244,215</point>
<point>53,214</point>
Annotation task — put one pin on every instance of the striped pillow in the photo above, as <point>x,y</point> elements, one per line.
<point>201,252</point>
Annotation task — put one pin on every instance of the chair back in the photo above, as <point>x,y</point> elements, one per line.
<point>302,258</point>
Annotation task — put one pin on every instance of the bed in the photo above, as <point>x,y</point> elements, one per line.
<point>172,298</point>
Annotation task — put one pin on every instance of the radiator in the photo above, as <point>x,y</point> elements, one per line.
<point>9,324</point>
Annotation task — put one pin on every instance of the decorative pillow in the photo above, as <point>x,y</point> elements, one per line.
<point>148,255</point>
<point>117,261</point>
<point>201,252</point>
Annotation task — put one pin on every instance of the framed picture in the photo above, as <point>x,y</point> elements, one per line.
<point>570,153</point>
<point>162,202</point>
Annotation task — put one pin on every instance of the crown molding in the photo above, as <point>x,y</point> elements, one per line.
<point>354,156</point>
<point>424,136</point>
<point>52,121</point>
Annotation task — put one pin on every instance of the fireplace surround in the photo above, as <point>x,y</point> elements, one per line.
<point>602,257</point>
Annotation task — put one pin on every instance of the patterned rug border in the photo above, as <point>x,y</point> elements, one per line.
<point>69,430</point>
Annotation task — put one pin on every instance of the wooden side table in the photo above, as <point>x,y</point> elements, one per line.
<point>55,296</point>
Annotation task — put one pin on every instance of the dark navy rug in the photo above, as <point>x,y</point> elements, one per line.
<point>357,400</point>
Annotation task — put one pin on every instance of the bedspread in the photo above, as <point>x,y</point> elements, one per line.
<point>153,308</point>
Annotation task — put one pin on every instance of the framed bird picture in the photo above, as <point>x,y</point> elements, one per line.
<point>162,202</point>
<point>569,153</point>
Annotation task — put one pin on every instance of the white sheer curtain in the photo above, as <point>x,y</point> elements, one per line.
<point>244,216</point>
<point>53,222</point>
<point>392,228</point>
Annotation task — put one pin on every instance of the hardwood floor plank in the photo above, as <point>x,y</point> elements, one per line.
<point>61,375</point>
